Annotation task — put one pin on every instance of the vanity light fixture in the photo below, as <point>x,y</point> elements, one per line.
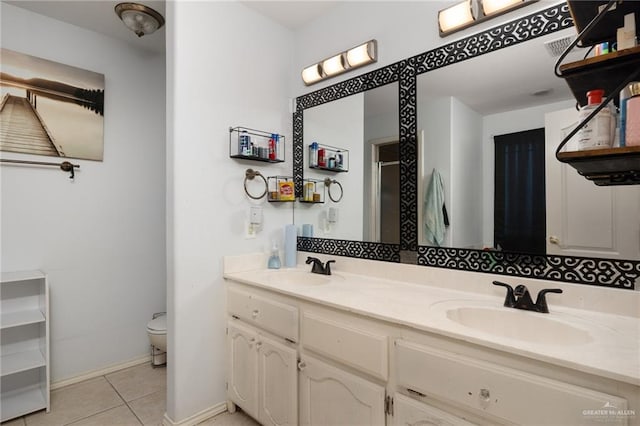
<point>491,7</point>
<point>358,56</point>
<point>312,74</point>
<point>455,17</point>
<point>333,66</point>
<point>139,18</point>
<point>470,12</point>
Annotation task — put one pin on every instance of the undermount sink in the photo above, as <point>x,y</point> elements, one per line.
<point>517,324</point>
<point>297,277</point>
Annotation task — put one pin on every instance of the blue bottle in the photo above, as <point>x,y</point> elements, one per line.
<point>274,259</point>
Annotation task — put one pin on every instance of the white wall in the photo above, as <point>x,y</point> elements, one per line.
<point>466,173</point>
<point>101,237</point>
<point>231,70</point>
<point>500,124</point>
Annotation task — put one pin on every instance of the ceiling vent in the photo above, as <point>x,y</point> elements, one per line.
<point>556,47</point>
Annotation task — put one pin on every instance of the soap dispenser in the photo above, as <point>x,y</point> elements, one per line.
<point>274,259</point>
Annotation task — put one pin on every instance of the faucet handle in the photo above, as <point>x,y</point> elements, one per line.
<point>541,300</point>
<point>510,299</point>
<point>327,267</point>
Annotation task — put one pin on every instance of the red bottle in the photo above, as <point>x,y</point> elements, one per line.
<point>272,148</point>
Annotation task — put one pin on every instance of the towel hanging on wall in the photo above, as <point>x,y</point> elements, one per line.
<point>435,211</point>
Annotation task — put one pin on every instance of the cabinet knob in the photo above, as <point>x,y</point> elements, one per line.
<point>301,365</point>
<point>255,313</point>
<point>554,240</point>
<point>485,395</point>
<point>258,345</point>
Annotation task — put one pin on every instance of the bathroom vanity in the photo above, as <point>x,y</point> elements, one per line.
<point>362,346</point>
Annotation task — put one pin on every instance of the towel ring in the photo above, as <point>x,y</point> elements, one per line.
<point>327,183</point>
<point>250,174</point>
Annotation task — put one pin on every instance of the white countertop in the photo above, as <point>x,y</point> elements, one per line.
<point>609,344</point>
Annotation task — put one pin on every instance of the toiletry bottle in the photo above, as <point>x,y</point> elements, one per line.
<point>632,90</point>
<point>339,160</point>
<point>313,154</point>
<point>245,143</point>
<point>632,130</point>
<point>272,147</point>
<point>274,259</point>
<point>322,160</point>
<point>598,132</point>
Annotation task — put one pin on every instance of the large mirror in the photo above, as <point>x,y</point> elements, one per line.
<point>487,176</point>
<point>363,130</point>
<point>463,110</point>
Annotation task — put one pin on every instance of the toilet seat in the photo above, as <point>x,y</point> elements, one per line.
<point>158,325</point>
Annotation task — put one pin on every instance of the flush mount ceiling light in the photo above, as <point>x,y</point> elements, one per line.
<point>358,56</point>
<point>470,12</point>
<point>139,18</point>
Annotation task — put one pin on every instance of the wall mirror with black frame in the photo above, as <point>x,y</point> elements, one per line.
<point>449,114</point>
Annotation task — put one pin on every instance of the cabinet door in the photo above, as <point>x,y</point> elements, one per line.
<point>584,219</point>
<point>242,373</point>
<point>408,412</point>
<point>278,373</point>
<point>330,396</point>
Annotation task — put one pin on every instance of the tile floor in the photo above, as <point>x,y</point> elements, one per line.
<point>133,396</point>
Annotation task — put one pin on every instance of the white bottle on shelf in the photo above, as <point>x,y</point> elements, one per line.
<point>598,132</point>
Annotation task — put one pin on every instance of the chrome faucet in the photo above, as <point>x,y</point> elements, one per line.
<point>318,267</point>
<point>519,298</point>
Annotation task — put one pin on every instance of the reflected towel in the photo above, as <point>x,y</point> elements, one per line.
<point>435,218</point>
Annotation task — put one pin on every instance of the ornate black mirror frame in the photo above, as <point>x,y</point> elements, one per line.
<point>592,271</point>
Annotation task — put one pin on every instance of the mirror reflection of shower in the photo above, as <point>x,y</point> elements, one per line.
<point>385,197</point>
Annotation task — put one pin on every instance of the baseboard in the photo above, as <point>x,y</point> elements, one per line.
<point>100,372</point>
<point>198,417</point>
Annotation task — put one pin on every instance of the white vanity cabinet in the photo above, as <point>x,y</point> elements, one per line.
<point>354,368</point>
<point>24,343</point>
<point>332,396</point>
<point>262,367</point>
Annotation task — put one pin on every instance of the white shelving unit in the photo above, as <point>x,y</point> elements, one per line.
<point>24,343</point>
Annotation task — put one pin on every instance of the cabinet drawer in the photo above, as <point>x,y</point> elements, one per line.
<point>506,393</point>
<point>275,317</point>
<point>407,411</point>
<point>342,342</point>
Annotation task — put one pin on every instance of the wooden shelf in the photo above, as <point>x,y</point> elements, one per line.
<point>583,12</point>
<point>610,166</point>
<point>604,72</point>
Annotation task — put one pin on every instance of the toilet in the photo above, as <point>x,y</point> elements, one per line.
<point>157,331</point>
